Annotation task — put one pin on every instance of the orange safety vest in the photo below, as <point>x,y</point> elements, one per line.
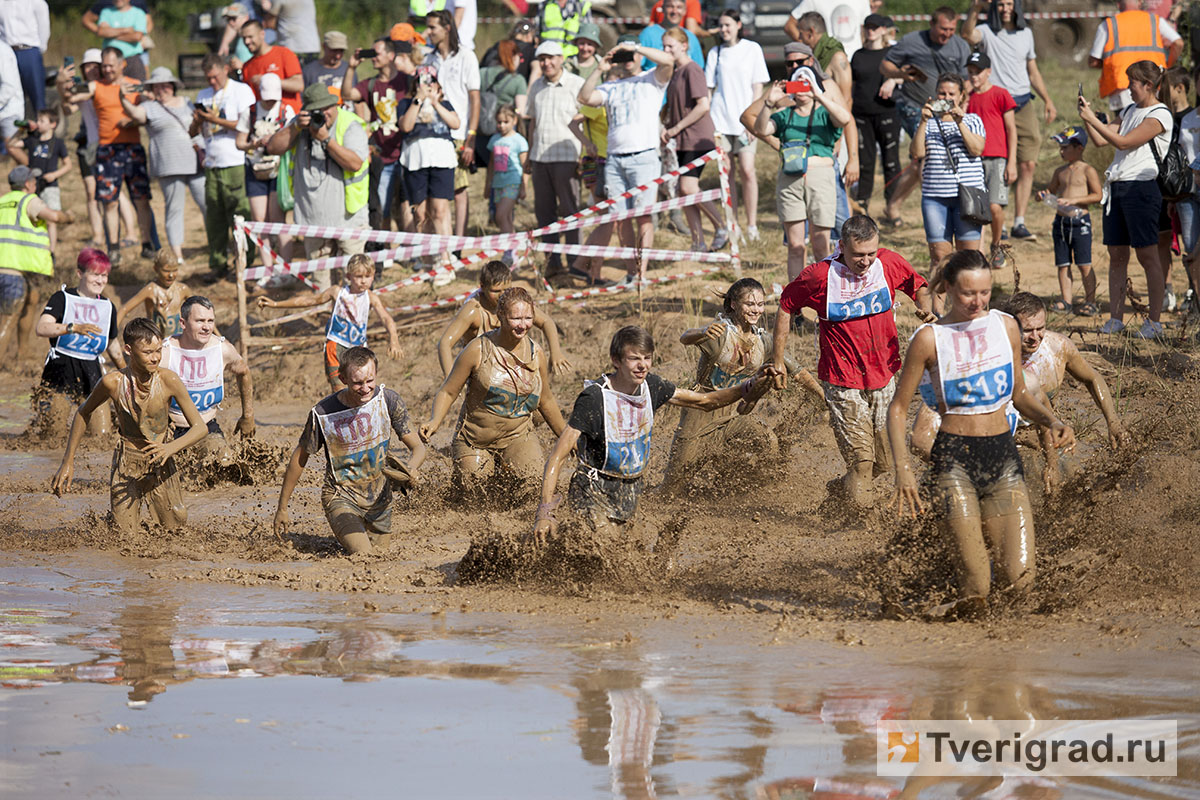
<point>1132,36</point>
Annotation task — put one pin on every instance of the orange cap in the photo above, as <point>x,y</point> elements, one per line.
<point>404,32</point>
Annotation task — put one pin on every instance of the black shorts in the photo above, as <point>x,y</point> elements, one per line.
<point>975,474</point>
<point>435,182</point>
<point>73,377</point>
<point>1134,214</point>
<point>1072,239</point>
<point>685,156</point>
<point>213,428</point>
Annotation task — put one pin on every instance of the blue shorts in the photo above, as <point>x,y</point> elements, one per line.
<point>12,293</point>
<point>506,192</point>
<point>1072,239</point>
<point>943,224</point>
<point>624,171</point>
<point>435,182</point>
<point>1189,223</point>
<point>910,115</point>
<point>257,188</point>
<point>1132,217</point>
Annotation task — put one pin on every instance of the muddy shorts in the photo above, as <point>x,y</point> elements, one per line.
<point>117,163</point>
<point>521,456</point>
<point>859,421</point>
<point>347,517</point>
<point>976,476</point>
<point>333,358</point>
<point>135,481</point>
<point>12,293</point>
<point>602,498</point>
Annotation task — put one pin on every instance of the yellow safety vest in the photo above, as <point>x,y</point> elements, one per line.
<point>24,245</point>
<point>563,31</point>
<point>418,10</point>
<point>357,185</point>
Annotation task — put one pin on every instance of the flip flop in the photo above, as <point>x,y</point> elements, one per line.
<point>1087,310</point>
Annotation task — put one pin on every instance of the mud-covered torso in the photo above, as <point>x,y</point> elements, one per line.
<point>166,303</point>
<point>502,394</point>
<point>488,320</point>
<point>1048,363</point>
<point>731,358</point>
<point>141,409</point>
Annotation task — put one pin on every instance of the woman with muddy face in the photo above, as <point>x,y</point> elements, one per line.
<point>732,348</point>
<point>507,377</point>
<point>968,362</point>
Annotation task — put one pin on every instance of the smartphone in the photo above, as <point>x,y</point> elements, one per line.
<point>68,61</point>
<point>796,87</point>
<point>366,52</point>
<point>622,57</point>
<point>1081,89</point>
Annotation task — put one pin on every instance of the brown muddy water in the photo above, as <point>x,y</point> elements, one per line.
<point>119,684</point>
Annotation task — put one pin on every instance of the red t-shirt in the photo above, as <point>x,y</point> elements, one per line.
<point>862,353</point>
<point>282,62</point>
<point>991,106</point>
<point>691,11</point>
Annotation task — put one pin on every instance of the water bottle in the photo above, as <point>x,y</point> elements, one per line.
<point>1067,211</point>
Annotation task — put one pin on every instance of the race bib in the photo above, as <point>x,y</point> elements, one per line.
<point>849,296</point>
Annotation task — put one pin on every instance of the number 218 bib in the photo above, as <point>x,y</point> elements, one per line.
<point>975,365</point>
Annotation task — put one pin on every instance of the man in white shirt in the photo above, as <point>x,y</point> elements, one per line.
<point>218,108</point>
<point>632,103</point>
<point>466,19</point>
<point>12,100</point>
<point>458,75</point>
<point>843,20</point>
<point>25,27</point>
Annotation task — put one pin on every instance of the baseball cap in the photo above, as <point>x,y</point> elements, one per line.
<point>316,97</point>
<point>270,87</point>
<point>21,174</point>
<point>335,40</point>
<point>91,56</point>
<point>548,49</point>
<point>1074,134</point>
<point>979,60</point>
<point>876,21</point>
<point>405,32</point>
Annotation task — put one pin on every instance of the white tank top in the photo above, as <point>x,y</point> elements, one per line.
<point>348,323</point>
<point>79,310</point>
<point>202,373</point>
<point>974,366</point>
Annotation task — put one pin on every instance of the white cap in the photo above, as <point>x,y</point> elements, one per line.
<point>91,56</point>
<point>270,87</point>
<point>548,49</point>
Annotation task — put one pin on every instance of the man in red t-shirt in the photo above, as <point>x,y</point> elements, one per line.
<point>693,17</point>
<point>271,58</point>
<point>996,107</point>
<point>853,292</point>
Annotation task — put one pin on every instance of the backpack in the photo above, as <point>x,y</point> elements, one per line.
<point>1174,174</point>
<point>489,102</point>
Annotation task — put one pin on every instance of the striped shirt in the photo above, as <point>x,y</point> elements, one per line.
<point>938,179</point>
<point>552,106</point>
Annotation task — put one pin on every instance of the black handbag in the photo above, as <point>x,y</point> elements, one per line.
<point>1174,174</point>
<point>974,205</point>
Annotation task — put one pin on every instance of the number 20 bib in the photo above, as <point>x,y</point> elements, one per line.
<point>848,296</point>
<point>975,365</point>
<point>348,322</point>
<point>202,373</point>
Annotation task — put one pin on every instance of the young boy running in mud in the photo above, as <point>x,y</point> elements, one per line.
<point>354,427</point>
<point>609,430</point>
<point>199,357</point>
<point>352,305</point>
<point>162,297</point>
<point>478,315</point>
<point>853,292</point>
<point>143,466</point>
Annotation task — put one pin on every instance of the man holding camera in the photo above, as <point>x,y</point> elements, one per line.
<point>218,108</point>
<point>330,163</point>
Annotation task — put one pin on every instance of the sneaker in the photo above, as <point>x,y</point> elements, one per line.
<point>147,251</point>
<point>1170,302</point>
<point>507,258</point>
<point>1112,325</point>
<point>1021,232</point>
<point>720,239</point>
<point>1149,330</point>
<point>997,258</point>
<point>443,278</point>
<point>752,234</point>
<point>1003,235</point>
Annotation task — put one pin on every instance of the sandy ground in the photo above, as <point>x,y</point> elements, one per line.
<point>756,543</point>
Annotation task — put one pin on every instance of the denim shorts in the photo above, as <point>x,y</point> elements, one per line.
<point>910,115</point>
<point>943,224</point>
<point>1189,222</point>
<point>12,293</point>
<point>1132,216</point>
<point>624,171</point>
<point>1072,239</point>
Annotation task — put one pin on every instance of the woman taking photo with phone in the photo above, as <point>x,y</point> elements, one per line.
<point>808,123</point>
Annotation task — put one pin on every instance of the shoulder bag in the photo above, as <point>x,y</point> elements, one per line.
<point>1174,174</point>
<point>974,205</point>
<point>795,154</point>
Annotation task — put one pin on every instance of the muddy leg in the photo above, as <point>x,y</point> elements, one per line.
<point>165,497</point>
<point>524,459</point>
<point>963,527</point>
<point>125,496</point>
<point>1008,525</point>
<point>472,469</point>
<point>350,529</point>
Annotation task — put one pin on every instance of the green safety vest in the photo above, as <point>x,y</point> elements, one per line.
<point>563,31</point>
<point>357,185</point>
<point>24,245</point>
<point>419,9</point>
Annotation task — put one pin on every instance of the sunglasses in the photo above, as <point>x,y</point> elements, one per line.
<point>793,62</point>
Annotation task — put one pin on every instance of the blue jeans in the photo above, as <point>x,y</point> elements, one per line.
<point>843,206</point>
<point>624,171</point>
<point>943,224</point>
<point>388,175</point>
<point>33,79</point>
<point>1189,222</point>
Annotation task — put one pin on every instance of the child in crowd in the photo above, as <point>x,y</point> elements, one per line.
<point>996,107</point>
<point>1077,185</point>
<point>41,149</point>
<point>143,464</point>
<point>162,297</point>
<point>352,305</point>
<point>506,170</point>
<point>478,315</point>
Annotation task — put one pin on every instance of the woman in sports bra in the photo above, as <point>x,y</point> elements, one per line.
<point>507,377</point>
<point>972,356</point>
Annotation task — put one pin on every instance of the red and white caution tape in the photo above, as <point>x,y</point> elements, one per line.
<point>280,264</point>
<point>611,20</point>
<point>1034,15</point>
<point>439,303</point>
<point>631,252</point>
